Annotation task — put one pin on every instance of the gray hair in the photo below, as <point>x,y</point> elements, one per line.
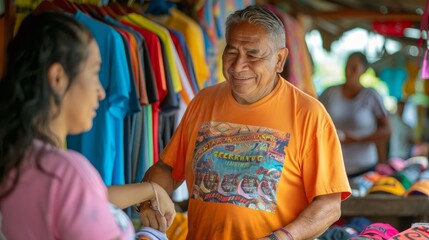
<point>262,17</point>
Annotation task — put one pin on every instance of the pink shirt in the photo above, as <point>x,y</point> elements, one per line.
<point>72,204</point>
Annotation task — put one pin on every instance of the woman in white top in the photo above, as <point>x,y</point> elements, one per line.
<point>359,116</point>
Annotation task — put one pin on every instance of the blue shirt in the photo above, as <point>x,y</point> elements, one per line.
<point>104,142</point>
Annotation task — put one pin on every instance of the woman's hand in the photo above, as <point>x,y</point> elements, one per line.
<point>161,213</point>
<point>166,205</point>
<point>349,138</point>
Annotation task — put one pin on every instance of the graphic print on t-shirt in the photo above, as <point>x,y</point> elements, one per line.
<point>238,164</point>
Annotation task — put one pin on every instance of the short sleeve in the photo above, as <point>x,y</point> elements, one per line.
<point>324,97</point>
<point>323,165</point>
<point>82,210</point>
<point>119,88</point>
<point>378,107</point>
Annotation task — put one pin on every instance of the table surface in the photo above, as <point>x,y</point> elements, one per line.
<point>386,205</point>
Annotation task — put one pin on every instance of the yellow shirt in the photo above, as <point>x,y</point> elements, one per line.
<point>165,38</point>
<point>194,39</point>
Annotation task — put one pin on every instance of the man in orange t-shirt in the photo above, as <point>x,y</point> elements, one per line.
<point>261,159</point>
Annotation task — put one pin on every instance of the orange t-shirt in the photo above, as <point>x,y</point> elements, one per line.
<point>251,169</point>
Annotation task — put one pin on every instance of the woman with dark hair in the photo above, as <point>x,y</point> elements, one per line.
<point>51,89</point>
<point>359,116</point>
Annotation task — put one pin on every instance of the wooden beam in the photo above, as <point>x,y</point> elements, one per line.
<point>367,15</point>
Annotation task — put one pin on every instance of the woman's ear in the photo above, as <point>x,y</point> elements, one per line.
<point>58,79</point>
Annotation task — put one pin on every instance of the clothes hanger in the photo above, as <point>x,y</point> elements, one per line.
<point>110,12</point>
<point>47,5</point>
<point>118,8</point>
<point>159,7</point>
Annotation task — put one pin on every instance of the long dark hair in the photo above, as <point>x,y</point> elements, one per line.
<point>25,93</point>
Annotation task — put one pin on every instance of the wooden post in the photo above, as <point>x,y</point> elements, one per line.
<point>7,24</point>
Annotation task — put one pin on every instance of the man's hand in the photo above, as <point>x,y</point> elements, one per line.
<point>155,219</point>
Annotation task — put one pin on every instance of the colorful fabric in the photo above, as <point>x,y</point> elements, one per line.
<point>362,183</point>
<point>416,233</point>
<point>194,38</point>
<point>387,185</point>
<point>408,175</point>
<point>397,163</point>
<point>240,163</point>
<point>379,231</point>
<point>422,161</point>
<point>182,51</point>
<point>298,69</point>
<point>419,188</point>
<point>164,37</point>
<point>394,77</point>
<point>155,56</point>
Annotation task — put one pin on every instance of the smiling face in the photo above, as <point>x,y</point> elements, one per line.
<point>80,101</point>
<point>251,62</point>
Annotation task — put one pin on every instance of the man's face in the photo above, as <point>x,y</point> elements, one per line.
<point>251,61</point>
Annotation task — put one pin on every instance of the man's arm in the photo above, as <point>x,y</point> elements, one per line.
<point>160,173</point>
<point>315,219</point>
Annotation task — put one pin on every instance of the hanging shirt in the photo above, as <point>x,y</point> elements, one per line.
<point>102,144</point>
<point>155,56</point>
<point>298,66</point>
<point>187,93</point>
<point>164,36</point>
<point>170,103</point>
<point>394,77</point>
<point>172,56</point>
<point>195,40</point>
<point>179,43</point>
<point>129,132</point>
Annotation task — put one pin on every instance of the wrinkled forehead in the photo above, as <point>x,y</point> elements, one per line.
<point>248,34</point>
<point>248,28</point>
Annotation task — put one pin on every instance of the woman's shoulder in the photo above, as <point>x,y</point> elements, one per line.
<point>333,89</point>
<point>55,156</point>
<point>370,92</point>
<point>330,92</point>
<point>63,163</point>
